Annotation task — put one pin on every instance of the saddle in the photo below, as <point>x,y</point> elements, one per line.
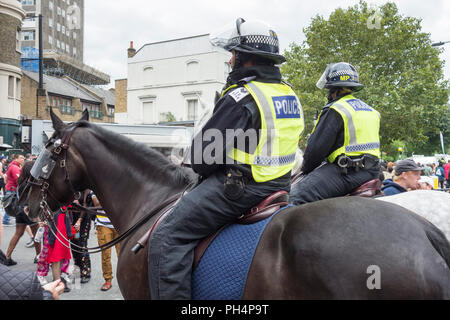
<point>263,210</point>
<point>369,189</point>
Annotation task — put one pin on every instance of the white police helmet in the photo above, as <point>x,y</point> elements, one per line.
<point>253,37</point>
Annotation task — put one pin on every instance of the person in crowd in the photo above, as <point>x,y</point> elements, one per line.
<point>427,171</point>
<point>12,175</point>
<point>105,233</point>
<point>60,232</point>
<point>3,169</point>
<point>440,173</point>
<point>447,173</point>
<point>20,285</point>
<point>43,267</point>
<point>82,225</point>
<point>406,178</point>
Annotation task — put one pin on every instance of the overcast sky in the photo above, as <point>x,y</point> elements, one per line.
<point>111,25</point>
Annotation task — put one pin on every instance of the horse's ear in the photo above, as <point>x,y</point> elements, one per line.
<point>85,115</point>
<point>58,124</point>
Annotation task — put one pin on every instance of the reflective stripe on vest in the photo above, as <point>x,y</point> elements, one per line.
<point>282,123</point>
<point>361,125</point>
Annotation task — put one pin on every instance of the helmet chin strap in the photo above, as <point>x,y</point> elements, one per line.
<point>340,93</point>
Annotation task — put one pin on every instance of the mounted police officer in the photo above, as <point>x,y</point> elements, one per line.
<point>346,136</point>
<point>256,126</point>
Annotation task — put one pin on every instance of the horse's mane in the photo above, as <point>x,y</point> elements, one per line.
<point>147,157</point>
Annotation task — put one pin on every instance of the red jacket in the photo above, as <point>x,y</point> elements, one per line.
<point>447,169</point>
<point>12,175</point>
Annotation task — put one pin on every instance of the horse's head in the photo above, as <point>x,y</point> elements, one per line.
<point>57,174</point>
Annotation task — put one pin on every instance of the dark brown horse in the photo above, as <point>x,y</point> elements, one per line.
<point>331,249</point>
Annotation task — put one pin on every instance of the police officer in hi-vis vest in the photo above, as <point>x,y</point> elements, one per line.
<point>346,137</point>
<point>244,153</point>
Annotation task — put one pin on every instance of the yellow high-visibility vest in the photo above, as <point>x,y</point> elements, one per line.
<point>282,123</point>
<point>362,128</point>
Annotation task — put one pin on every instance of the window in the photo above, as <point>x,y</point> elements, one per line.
<point>94,110</point>
<point>148,112</point>
<point>28,35</point>
<point>11,86</point>
<point>58,43</point>
<point>58,11</point>
<point>50,5</point>
<point>63,46</point>
<point>58,27</point>
<point>192,109</point>
<point>74,51</point>
<point>50,22</point>
<point>18,36</point>
<point>50,39</point>
<point>64,13</point>
<point>74,35</point>
<point>63,29</point>
<point>192,71</point>
<point>18,88</point>
<point>28,2</point>
<point>148,72</point>
<point>67,48</point>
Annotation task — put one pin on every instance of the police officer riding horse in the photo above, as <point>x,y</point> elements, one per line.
<point>265,116</point>
<point>343,150</point>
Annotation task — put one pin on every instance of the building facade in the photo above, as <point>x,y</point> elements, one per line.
<point>63,26</point>
<point>173,80</point>
<point>11,16</point>
<point>62,40</point>
<point>67,98</point>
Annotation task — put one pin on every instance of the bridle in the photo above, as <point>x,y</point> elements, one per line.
<point>59,154</point>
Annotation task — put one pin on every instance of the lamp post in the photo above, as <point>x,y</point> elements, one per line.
<point>41,62</point>
<point>438,44</point>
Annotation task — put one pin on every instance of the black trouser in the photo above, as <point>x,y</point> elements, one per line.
<point>198,214</point>
<point>82,260</point>
<point>328,181</point>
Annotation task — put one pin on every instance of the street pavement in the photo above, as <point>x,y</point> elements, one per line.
<point>87,291</point>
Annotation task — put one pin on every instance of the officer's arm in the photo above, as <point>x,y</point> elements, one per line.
<point>208,154</point>
<point>325,139</point>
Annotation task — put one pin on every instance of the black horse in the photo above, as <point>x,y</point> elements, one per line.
<point>331,249</point>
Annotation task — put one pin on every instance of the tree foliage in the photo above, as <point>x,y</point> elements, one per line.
<point>401,71</point>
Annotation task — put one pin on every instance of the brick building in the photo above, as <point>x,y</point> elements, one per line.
<point>67,98</point>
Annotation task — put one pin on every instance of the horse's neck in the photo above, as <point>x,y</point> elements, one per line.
<point>126,189</point>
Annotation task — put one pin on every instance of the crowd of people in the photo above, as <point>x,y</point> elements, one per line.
<point>407,175</point>
<point>51,240</point>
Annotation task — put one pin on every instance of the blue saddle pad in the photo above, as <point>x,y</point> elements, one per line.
<point>222,271</point>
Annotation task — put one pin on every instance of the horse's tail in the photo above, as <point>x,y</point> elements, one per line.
<point>439,243</point>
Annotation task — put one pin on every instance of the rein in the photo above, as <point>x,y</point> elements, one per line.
<point>62,146</point>
<point>148,214</point>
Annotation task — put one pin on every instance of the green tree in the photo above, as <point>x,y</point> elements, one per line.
<point>402,72</point>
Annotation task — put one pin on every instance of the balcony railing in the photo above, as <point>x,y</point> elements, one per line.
<point>66,109</point>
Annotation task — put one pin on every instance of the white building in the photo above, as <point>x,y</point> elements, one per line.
<point>178,76</point>
<point>11,16</point>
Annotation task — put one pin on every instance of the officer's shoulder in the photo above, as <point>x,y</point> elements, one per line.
<point>238,93</point>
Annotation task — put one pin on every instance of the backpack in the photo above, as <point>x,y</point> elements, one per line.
<point>10,203</point>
